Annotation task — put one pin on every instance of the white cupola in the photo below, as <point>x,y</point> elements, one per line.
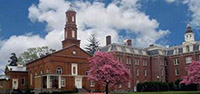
<point>189,35</point>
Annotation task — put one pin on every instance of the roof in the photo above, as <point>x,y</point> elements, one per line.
<point>188,29</point>
<point>57,52</point>
<point>17,68</point>
<point>123,48</point>
<point>4,77</point>
<point>149,51</point>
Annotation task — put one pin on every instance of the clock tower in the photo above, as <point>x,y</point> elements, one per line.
<point>70,31</point>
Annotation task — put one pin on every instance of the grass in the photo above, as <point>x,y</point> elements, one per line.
<point>169,92</point>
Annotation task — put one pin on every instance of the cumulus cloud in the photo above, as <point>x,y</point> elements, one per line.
<point>92,18</point>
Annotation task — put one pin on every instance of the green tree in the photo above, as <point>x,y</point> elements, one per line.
<point>93,45</point>
<point>34,53</point>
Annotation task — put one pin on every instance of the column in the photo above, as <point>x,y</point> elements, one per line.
<point>48,81</point>
<point>59,81</point>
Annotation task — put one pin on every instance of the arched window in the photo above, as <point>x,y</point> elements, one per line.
<point>73,33</point>
<point>59,70</point>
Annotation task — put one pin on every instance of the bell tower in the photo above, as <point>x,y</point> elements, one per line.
<point>70,31</point>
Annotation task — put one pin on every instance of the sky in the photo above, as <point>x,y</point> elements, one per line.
<point>35,23</point>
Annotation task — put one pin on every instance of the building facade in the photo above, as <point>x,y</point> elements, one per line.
<point>156,63</point>
<point>68,68</point>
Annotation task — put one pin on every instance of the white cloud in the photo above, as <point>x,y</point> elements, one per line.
<point>194,7</point>
<point>91,18</point>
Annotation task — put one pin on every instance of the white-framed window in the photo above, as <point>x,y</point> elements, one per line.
<point>63,82</point>
<point>73,34</point>
<point>137,72</point>
<point>59,70</point>
<point>74,69</point>
<point>119,58</point>
<point>176,72</point>
<point>188,60</point>
<point>23,81</point>
<point>137,62</point>
<point>31,79</point>
<point>176,61</point>
<point>144,63</point>
<point>129,84</point>
<point>145,72</point>
<point>128,60</point>
<point>92,84</point>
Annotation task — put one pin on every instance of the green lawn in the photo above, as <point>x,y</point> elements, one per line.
<point>169,92</point>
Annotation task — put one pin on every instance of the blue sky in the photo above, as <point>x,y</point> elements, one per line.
<point>33,23</point>
<point>174,17</point>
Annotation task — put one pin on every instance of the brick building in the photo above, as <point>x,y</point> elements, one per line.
<point>156,63</point>
<point>15,78</point>
<point>68,68</point>
<point>64,69</point>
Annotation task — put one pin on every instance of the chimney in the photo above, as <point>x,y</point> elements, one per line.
<point>129,42</point>
<point>108,40</point>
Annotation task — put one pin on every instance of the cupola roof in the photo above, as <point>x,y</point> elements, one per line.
<point>188,29</point>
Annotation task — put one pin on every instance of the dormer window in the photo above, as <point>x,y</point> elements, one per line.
<point>175,51</point>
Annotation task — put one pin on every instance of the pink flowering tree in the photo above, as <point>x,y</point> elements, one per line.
<point>108,71</point>
<point>193,76</point>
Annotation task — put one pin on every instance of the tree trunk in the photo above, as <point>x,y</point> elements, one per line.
<point>106,89</point>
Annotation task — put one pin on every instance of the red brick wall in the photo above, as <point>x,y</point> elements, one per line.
<point>63,59</point>
<point>18,75</point>
<point>181,67</point>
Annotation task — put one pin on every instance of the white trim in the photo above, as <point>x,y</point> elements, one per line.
<point>15,83</point>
